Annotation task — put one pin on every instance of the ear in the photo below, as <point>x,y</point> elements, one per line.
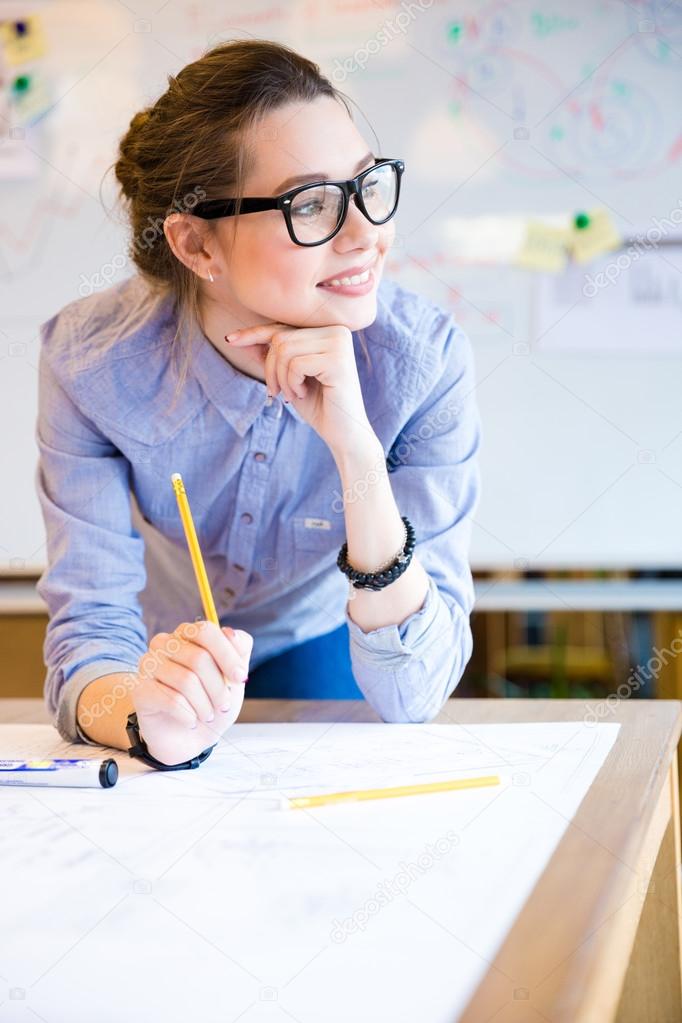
<point>187,236</point>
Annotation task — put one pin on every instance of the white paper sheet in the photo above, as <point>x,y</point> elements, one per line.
<point>214,903</point>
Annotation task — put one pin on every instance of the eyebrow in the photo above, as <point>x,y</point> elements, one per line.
<point>302,179</point>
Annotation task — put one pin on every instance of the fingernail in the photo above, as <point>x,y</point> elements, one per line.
<point>209,718</point>
<point>224,710</point>
<point>196,722</point>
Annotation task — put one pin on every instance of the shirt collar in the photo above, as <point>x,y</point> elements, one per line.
<point>238,397</point>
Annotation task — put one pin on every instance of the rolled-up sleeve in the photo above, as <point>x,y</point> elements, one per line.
<point>407,671</point>
<point>95,559</point>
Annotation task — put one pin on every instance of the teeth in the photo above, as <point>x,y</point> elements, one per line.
<point>345,281</point>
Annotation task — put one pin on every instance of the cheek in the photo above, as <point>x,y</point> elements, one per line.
<point>297,271</point>
<point>260,256</point>
<point>277,280</point>
<point>270,262</point>
<point>388,235</point>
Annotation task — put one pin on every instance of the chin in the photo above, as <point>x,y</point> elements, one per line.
<point>354,314</point>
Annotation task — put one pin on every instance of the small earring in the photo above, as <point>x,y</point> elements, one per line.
<point>210,276</point>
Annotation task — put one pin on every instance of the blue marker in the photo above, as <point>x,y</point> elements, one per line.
<point>69,773</point>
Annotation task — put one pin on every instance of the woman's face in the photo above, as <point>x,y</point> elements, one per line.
<point>260,274</point>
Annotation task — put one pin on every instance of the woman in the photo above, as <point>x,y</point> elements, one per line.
<point>296,430</point>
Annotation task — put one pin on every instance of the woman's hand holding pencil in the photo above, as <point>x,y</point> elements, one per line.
<point>191,688</point>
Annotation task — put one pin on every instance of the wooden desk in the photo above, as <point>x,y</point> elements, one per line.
<point>599,939</point>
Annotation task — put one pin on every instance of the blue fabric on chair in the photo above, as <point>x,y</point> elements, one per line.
<point>318,669</point>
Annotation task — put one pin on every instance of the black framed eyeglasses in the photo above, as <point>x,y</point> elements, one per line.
<point>315,212</point>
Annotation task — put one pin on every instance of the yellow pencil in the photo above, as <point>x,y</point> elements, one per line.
<point>303,802</point>
<point>195,553</point>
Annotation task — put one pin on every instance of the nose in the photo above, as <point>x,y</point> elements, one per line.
<point>357,227</point>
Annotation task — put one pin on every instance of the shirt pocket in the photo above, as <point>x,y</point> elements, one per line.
<point>317,542</point>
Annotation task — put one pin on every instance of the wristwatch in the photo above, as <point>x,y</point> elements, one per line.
<point>138,749</point>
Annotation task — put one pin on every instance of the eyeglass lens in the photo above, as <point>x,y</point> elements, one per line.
<point>316,211</point>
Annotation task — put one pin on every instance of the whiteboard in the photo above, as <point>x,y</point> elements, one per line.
<point>496,108</point>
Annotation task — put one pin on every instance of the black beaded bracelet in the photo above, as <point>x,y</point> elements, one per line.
<point>377,580</point>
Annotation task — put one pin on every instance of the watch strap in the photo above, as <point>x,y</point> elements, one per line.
<point>138,749</point>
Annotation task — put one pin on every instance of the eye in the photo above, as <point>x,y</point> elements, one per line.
<point>314,207</point>
<point>368,185</point>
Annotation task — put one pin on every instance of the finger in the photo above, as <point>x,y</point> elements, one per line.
<point>270,372</point>
<point>184,679</point>
<point>260,333</point>
<point>243,641</point>
<point>199,663</point>
<point>282,370</point>
<point>229,664</point>
<point>153,697</point>
<point>316,365</point>
<point>296,378</point>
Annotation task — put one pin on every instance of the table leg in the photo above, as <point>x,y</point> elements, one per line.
<point>652,991</point>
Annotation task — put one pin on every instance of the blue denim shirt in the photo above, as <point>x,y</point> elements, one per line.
<point>264,491</point>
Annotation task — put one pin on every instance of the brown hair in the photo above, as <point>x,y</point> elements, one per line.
<point>192,144</point>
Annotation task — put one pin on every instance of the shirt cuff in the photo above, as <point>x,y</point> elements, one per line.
<point>391,645</point>
<point>66,721</point>
<point>406,672</point>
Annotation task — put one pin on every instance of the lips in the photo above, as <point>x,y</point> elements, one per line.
<point>350,272</point>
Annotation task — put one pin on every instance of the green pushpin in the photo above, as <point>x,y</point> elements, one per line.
<point>581,221</point>
<point>21,83</point>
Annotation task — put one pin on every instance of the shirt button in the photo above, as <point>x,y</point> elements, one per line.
<point>228,592</point>
<point>247,518</point>
<point>260,456</point>
<point>239,568</point>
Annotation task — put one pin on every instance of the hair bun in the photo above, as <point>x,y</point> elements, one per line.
<point>127,168</point>
<point>140,119</point>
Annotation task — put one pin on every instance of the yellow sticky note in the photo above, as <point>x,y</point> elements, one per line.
<point>544,247</point>
<point>598,236</point>
<point>22,39</point>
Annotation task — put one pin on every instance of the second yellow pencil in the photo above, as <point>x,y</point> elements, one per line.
<point>303,802</point>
